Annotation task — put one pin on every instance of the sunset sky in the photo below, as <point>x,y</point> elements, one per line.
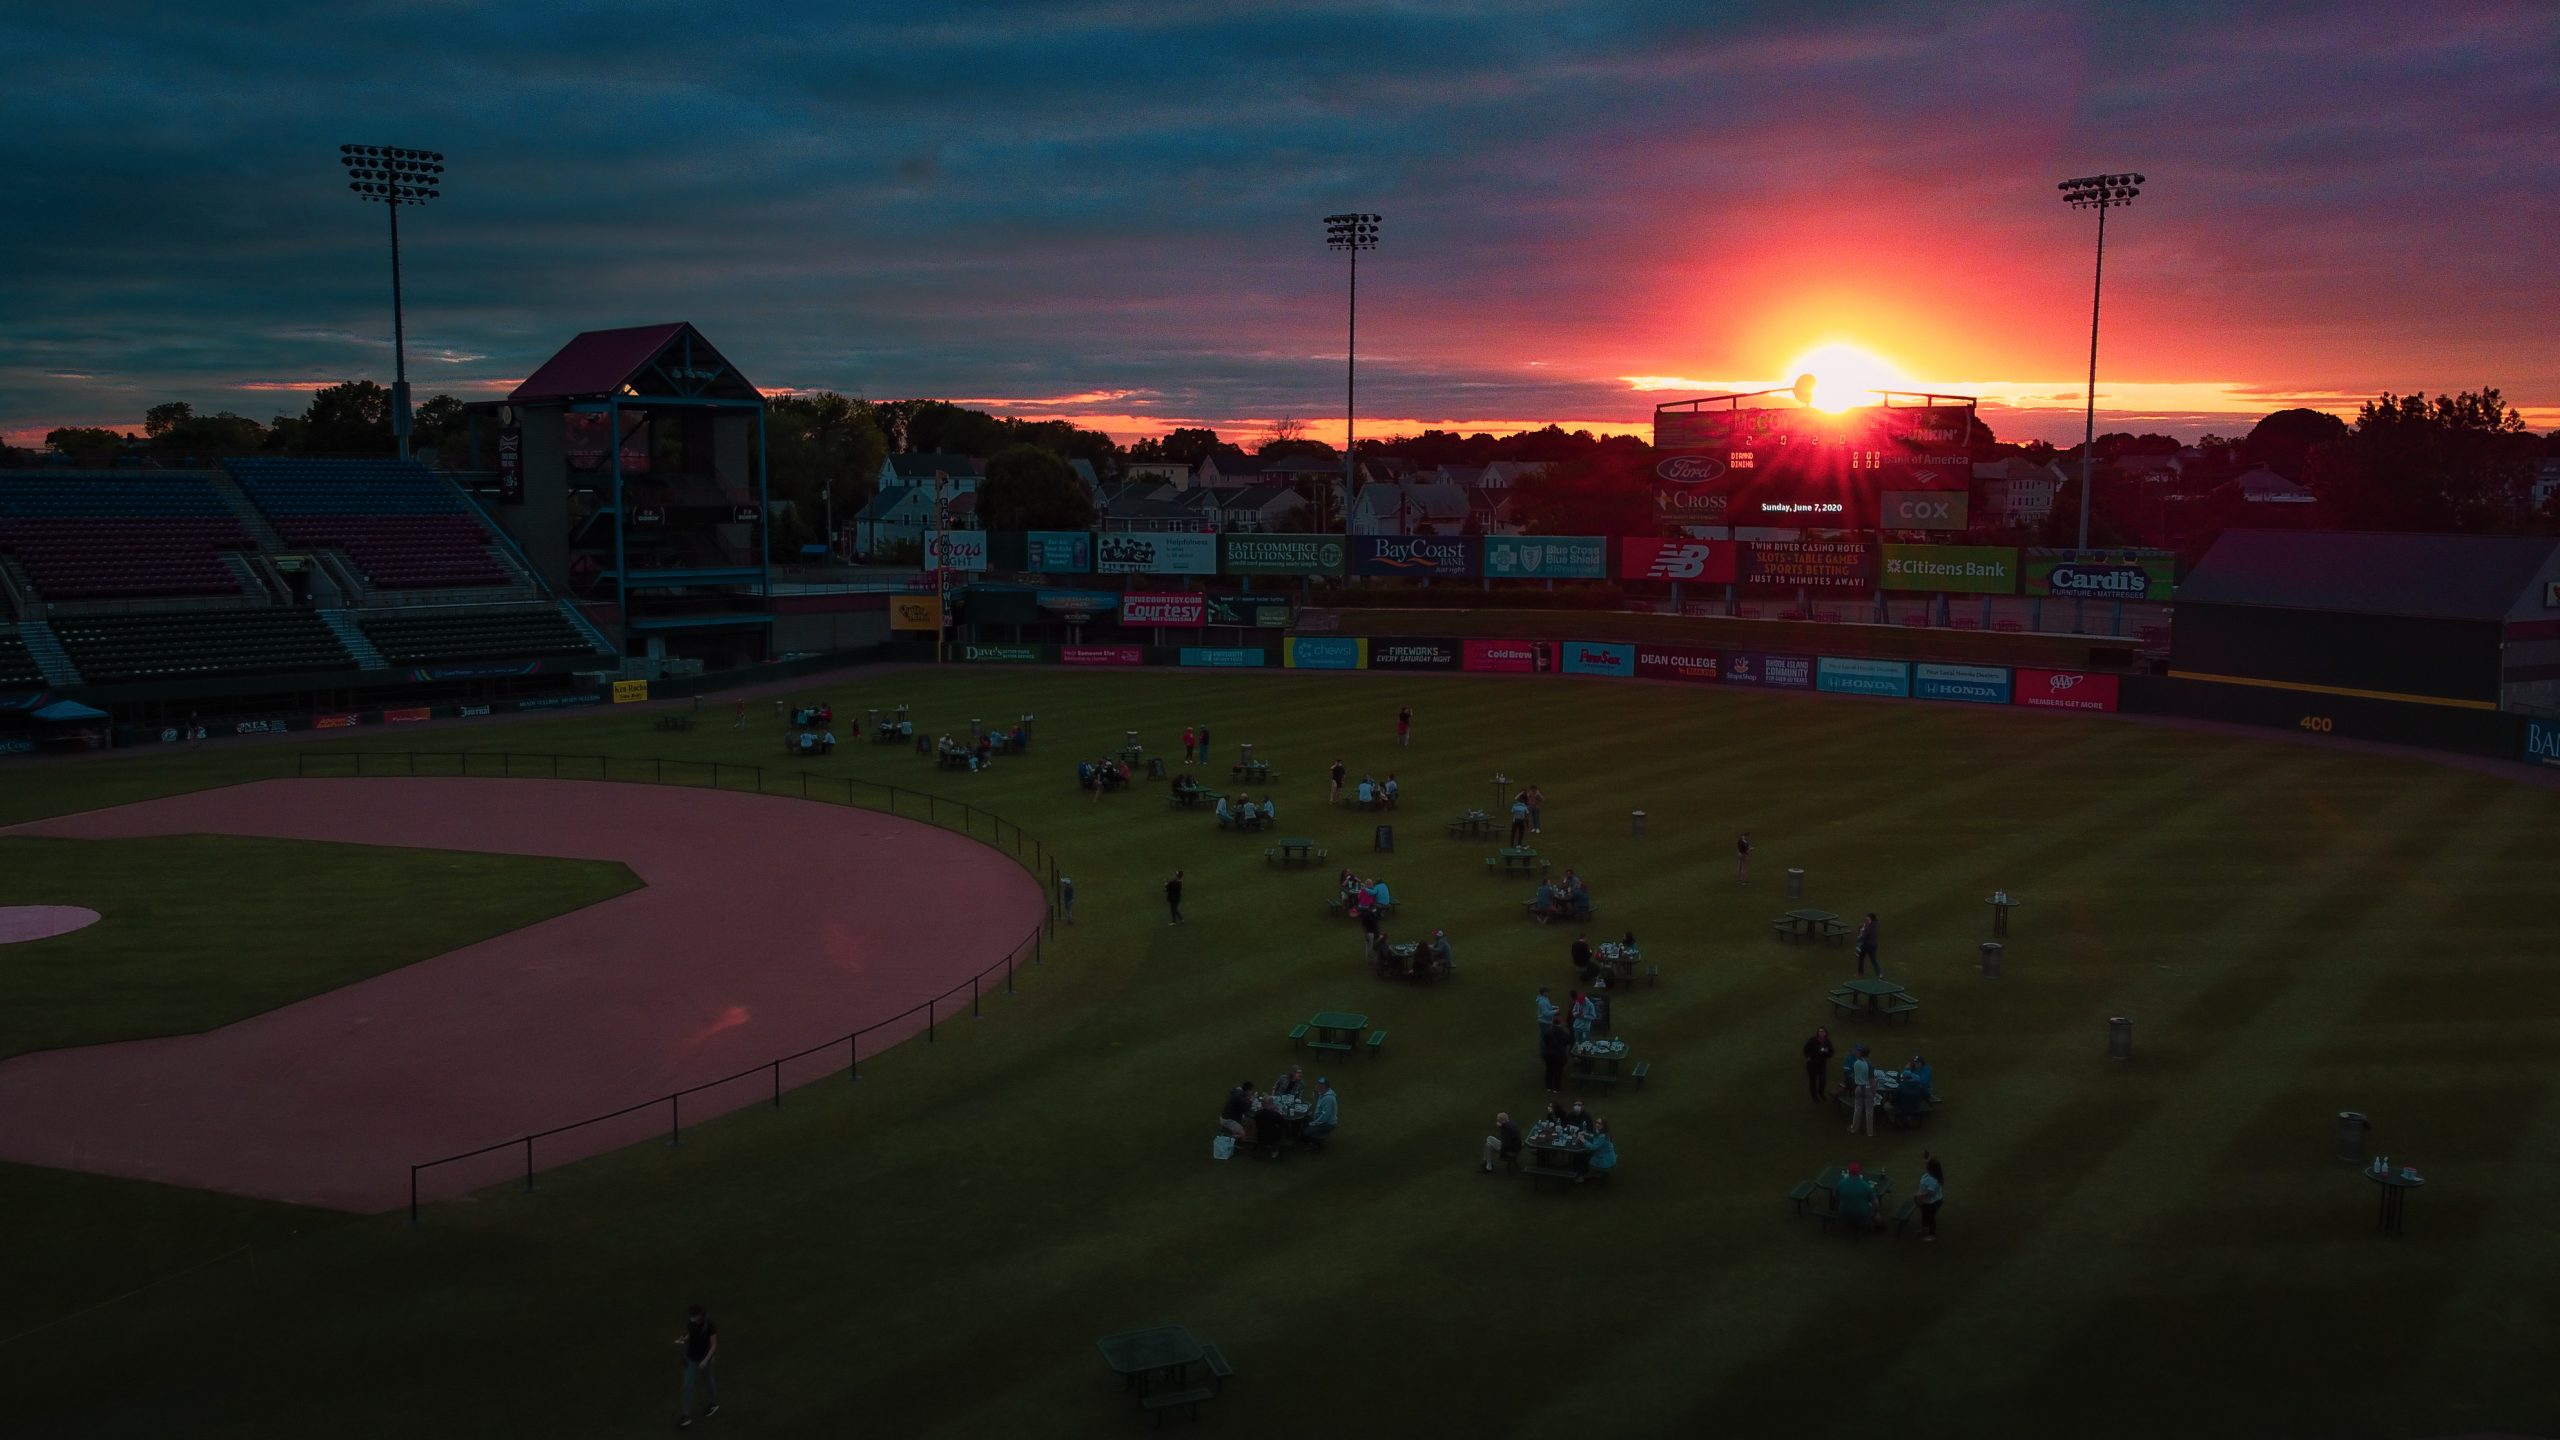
<point>1109,212</point>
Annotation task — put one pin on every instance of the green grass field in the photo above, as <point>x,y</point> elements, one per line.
<point>2161,1247</point>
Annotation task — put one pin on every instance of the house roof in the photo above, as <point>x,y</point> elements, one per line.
<point>885,504</point>
<point>1258,496</point>
<point>924,467</point>
<point>2454,577</point>
<point>602,362</point>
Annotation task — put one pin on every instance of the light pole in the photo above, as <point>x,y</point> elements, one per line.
<point>395,177</point>
<point>1352,232</point>
<point>2101,193</point>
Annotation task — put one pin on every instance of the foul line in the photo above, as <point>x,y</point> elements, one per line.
<point>120,1299</point>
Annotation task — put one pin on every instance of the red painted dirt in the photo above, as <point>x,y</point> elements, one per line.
<point>764,925</point>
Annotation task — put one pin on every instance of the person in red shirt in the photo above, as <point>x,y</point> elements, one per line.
<point>1404,726</point>
<point>1190,738</point>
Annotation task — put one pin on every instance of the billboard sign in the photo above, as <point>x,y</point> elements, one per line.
<point>1546,557</point>
<point>1415,556</point>
<point>2065,690</point>
<point>1862,677</point>
<point>1972,569</point>
<point>1979,684</point>
<point>956,550</point>
<point>1283,554</point>
<point>1413,655</point>
<point>1693,487</point>
<point>1003,654</point>
<point>1923,510</point>
<point>511,465</point>
<point>1076,604</point>
<point>1324,652</point>
<point>1773,672</point>
<point>1710,561</point>
<point>1266,612</point>
<point>1171,553</point>
<point>1814,564</point>
<point>915,612</point>
<point>1102,655</point>
<point>1058,552</point>
<point>1679,662</point>
<point>2101,574</point>
<point>1226,657</point>
<point>1179,607</point>
<point>1507,657</point>
<point>1590,657</point>
<point>2541,742</point>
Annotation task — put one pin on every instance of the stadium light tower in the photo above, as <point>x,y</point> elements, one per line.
<point>394,177</point>
<point>1353,233</point>
<point>2101,193</point>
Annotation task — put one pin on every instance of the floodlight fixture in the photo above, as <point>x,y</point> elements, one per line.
<point>2101,193</point>
<point>393,176</point>
<point>1351,232</point>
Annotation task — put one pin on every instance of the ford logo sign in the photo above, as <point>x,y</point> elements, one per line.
<point>1690,469</point>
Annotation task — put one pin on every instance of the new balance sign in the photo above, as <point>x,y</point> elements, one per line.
<point>1711,561</point>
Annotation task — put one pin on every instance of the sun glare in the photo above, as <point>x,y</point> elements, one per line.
<point>1845,375</point>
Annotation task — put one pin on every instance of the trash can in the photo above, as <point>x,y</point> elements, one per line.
<point>1795,884</point>
<point>2351,1129</point>
<point>1639,819</point>
<point>875,719</point>
<point>1247,757</point>
<point>1990,959</point>
<point>924,744</point>
<point>977,728</point>
<point>1385,840</point>
<point>2119,1038</point>
<point>1155,767</point>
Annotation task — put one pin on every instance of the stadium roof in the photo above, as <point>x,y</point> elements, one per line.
<point>2451,577</point>
<point>600,363</point>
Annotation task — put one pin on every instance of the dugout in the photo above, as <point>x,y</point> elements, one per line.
<point>2452,621</point>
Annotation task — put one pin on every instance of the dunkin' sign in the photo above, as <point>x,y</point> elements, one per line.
<point>1164,608</point>
<point>2066,690</point>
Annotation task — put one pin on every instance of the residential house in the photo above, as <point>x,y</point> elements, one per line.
<point>958,473</point>
<point>2546,484</point>
<point>898,514</point>
<point>1267,508</point>
<point>2263,486</point>
<point>1504,474</point>
<point>1421,506</point>
<point>1228,468</point>
<point>1162,472</point>
<point>2015,491</point>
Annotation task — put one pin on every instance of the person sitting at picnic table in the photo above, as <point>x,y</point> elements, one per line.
<point>1086,779</point>
<point>1122,768</point>
<point>1854,1198</point>
<point>1544,904</point>
<point>1553,1120</point>
<point>1226,818</point>
<point>827,743</point>
<point>1582,957</point>
<point>1293,1083</point>
<point>1573,885</point>
<point>1270,1127</point>
<point>1503,1143</point>
<point>1919,1078</point>
<point>1906,1101</point>
<point>1576,1118</point>
<point>1019,740</point>
<point>1240,1102</point>
<point>1270,812</point>
<point>1599,1152</point>
<point>1387,792</point>
<point>1327,1113</point>
<point>1441,960</point>
<point>804,742</point>
<point>1378,895</point>
<point>1368,792</point>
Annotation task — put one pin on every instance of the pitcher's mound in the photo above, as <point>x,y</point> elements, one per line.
<point>42,922</point>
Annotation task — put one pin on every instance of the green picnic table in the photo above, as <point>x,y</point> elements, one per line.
<point>1474,824</point>
<point>1155,1365</point>
<point>1808,924</point>
<point>1294,850</point>
<point>1871,994</point>
<point>1334,1030</point>
<point>1515,860</point>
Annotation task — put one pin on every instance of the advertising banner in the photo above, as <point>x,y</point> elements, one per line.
<point>1546,557</point>
<point>915,612</point>
<point>2542,742</point>
<point>1923,510</point>
<point>1058,552</point>
<point>333,722</point>
<point>1222,656</point>
<point>1815,564</point>
<point>551,702</point>
<point>1862,677</point>
<point>1002,654</point>
<point>1164,608</point>
<point>1979,684</point>
<point>416,713</point>
<point>2065,690</point>
<point>1102,655</point>
<point>1165,554</point>
<point>1414,655</point>
<point>1074,604</point>
<point>1971,569</point>
<point>2101,574</point>
<point>1451,557</point>
<point>1693,488</point>
<point>1265,612</point>
<point>511,465</point>
<point>1506,657</point>
<point>1774,672</point>
<point>1283,554</point>
<point>1591,657</point>
<point>956,550</point>
<point>630,692</point>
<point>1712,561</point>
<point>1324,652</point>
<point>1679,662</point>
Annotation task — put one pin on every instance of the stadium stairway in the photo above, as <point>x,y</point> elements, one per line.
<point>38,637</point>
<point>587,628</point>
<point>343,625</point>
<point>252,519</point>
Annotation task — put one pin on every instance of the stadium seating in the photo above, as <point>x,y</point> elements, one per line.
<point>403,527</point>
<point>433,637</point>
<point>17,666</point>
<point>115,536</point>
<point>114,649</point>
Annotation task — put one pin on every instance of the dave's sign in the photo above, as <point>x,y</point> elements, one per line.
<point>1172,608</point>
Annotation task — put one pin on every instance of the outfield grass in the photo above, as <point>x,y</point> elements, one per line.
<point>2164,1247</point>
<point>197,931</point>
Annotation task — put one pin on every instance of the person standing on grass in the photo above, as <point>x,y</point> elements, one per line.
<point>1742,859</point>
<point>701,1345</point>
<point>1537,799</point>
<point>1404,726</point>
<point>1336,797</point>
<point>742,716</point>
<point>1817,1062</point>
<point>1554,1042</point>
<point>1546,1010</point>
<point>1862,1092</point>
<point>1933,1193</point>
<point>1867,947</point>
<point>1190,738</point>
<point>1173,897</point>
<point>1204,742</point>
<point>1519,819</point>
<point>1066,899</point>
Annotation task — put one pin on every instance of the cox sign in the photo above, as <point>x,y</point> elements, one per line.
<point>1923,509</point>
<point>1650,559</point>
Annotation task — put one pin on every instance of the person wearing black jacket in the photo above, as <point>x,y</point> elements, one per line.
<point>1817,1062</point>
<point>1173,896</point>
<point>1552,1045</point>
<point>1582,957</point>
<point>1504,1141</point>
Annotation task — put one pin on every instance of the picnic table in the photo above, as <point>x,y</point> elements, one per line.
<point>1808,924</point>
<point>1621,961</point>
<point>675,720</point>
<point>1474,824</point>
<point>893,732</point>
<point>1888,1104</point>
<point>1515,860</point>
<point>1293,850</point>
<point>2396,1185</point>
<point>1873,995</point>
<point>1156,1367</point>
<point>1246,817</point>
<point>1596,1061</point>
<point>1186,797</point>
<point>1557,1154</point>
<point>1828,1182</point>
<point>1331,1030</point>
<point>1253,770</point>
<point>951,759</point>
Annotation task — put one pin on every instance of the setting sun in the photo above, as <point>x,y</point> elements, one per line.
<point>1845,375</point>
